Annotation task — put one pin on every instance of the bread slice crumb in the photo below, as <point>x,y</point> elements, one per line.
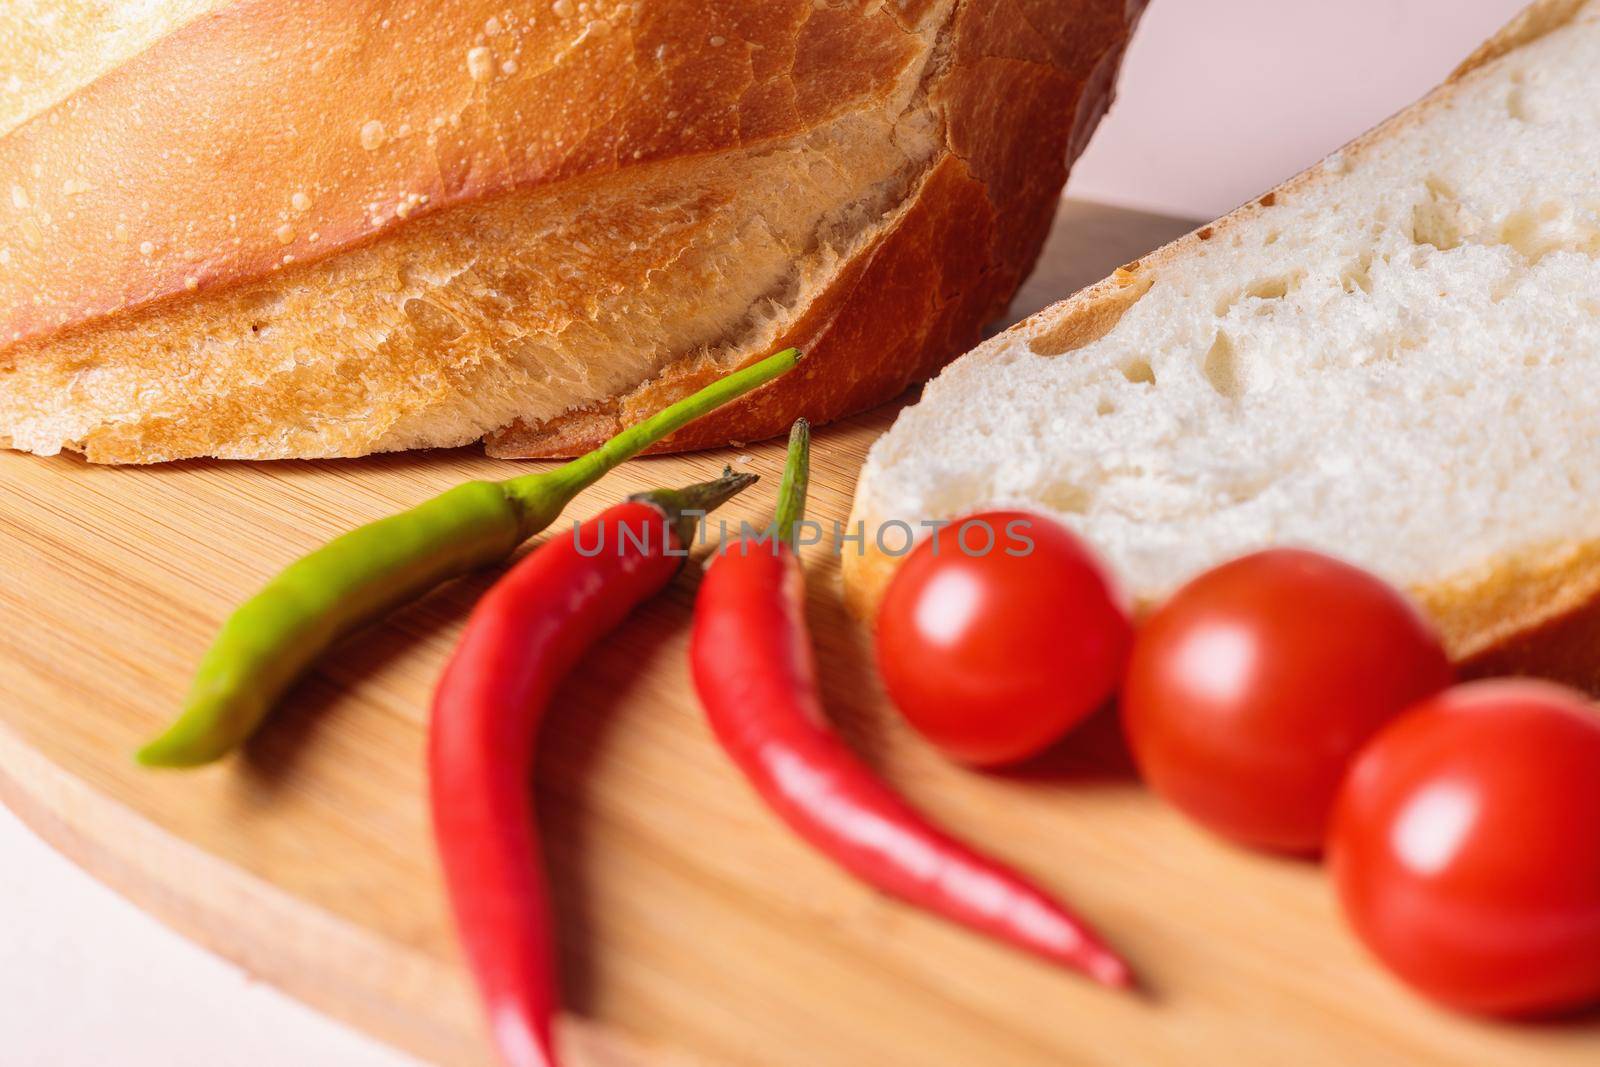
<point>1394,357</point>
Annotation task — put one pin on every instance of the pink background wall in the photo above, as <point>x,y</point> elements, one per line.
<point>1221,99</point>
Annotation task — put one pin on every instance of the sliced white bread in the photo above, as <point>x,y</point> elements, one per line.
<point>1394,357</point>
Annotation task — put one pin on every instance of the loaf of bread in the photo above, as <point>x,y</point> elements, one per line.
<point>280,228</point>
<point>1394,357</point>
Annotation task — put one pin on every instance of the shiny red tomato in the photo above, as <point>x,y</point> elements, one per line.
<point>1251,690</point>
<point>1000,634</point>
<point>1466,848</point>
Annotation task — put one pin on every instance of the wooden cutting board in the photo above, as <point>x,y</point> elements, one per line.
<point>694,929</point>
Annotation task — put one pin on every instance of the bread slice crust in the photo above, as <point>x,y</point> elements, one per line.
<point>1536,611</point>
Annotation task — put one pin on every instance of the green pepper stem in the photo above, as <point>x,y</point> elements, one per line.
<point>684,507</point>
<point>796,482</point>
<point>542,496</point>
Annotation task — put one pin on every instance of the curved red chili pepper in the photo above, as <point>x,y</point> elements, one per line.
<point>754,670</point>
<point>524,636</point>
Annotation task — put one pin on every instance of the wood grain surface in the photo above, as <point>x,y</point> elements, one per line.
<point>693,928</point>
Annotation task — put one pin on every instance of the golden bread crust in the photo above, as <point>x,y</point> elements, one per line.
<point>317,163</point>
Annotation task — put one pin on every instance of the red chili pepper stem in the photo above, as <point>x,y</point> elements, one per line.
<point>684,508</point>
<point>796,482</point>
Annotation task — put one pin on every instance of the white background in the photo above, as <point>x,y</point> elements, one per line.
<point>1220,99</point>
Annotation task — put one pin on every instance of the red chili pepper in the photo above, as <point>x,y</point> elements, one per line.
<point>523,637</point>
<point>753,667</point>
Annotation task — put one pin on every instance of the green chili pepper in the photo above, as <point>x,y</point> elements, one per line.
<point>357,578</point>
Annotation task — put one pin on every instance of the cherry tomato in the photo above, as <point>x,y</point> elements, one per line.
<point>1250,692</point>
<point>1466,848</point>
<point>1000,633</point>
